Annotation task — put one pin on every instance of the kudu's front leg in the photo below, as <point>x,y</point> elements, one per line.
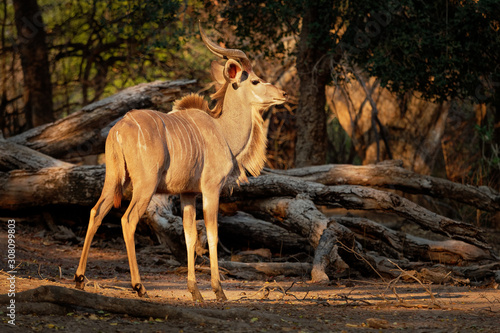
<point>210,211</point>
<point>191,235</point>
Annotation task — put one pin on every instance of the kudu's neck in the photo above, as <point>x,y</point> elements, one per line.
<point>236,123</point>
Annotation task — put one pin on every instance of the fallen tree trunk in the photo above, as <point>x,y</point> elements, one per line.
<point>358,197</point>
<point>167,227</point>
<point>15,157</point>
<point>391,175</point>
<point>243,227</point>
<point>381,239</point>
<point>297,215</point>
<point>326,254</point>
<point>84,132</point>
<point>78,298</point>
<point>77,185</point>
<point>82,185</point>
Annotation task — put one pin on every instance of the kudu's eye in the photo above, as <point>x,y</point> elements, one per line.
<point>255,82</point>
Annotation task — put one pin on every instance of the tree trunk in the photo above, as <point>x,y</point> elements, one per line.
<point>62,186</point>
<point>77,185</point>
<point>259,233</point>
<point>14,156</point>
<point>390,243</point>
<point>310,115</point>
<point>34,60</point>
<point>495,146</point>
<point>390,175</point>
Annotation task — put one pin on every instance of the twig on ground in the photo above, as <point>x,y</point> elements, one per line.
<point>360,256</point>
<point>405,273</point>
<point>268,288</point>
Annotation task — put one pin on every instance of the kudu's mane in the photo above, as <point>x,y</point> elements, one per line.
<point>253,155</point>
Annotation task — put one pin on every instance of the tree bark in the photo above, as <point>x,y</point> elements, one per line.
<point>82,185</point>
<point>390,243</point>
<point>390,174</point>
<point>259,233</point>
<point>358,197</point>
<point>311,145</point>
<point>38,105</point>
<point>14,156</point>
<point>77,185</point>
<point>167,227</point>
<point>297,215</point>
<point>84,132</point>
<point>326,254</point>
<point>132,307</point>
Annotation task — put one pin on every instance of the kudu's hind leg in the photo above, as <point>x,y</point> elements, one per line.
<point>210,211</point>
<point>97,213</point>
<point>191,235</point>
<point>134,212</point>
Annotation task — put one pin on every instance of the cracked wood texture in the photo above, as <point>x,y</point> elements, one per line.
<point>391,175</point>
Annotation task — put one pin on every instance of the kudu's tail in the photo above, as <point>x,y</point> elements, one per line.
<point>116,171</point>
<point>117,199</point>
<point>120,177</point>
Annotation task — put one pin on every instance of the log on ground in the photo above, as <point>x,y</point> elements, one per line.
<point>362,198</point>
<point>385,241</point>
<point>391,175</point>
<point>14,157</point>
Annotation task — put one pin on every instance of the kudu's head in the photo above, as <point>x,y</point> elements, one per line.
<point>240,83</point>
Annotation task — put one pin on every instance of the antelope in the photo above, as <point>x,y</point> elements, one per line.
<point>191,150</point>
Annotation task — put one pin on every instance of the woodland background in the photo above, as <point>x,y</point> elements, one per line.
<point>401,80</point>
<point>407,80</point>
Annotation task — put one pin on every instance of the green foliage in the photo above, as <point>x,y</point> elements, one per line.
<point>98,47</point>
<point>263,23</point>
<point>441,49</point>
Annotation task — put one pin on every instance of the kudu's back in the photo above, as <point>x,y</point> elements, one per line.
<point>181,152</point>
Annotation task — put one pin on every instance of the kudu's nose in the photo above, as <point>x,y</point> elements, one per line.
<point>285,94</point>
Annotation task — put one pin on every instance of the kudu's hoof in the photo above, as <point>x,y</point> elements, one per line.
<point>79,282</point>
<point>141,290</point>
<point>197,296</point>
<point>221,297</point>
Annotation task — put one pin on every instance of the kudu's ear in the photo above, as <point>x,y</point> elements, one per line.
<point>217,71</point>
<point>232,71</point>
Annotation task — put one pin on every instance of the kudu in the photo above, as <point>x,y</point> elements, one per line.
<point>191,150</point>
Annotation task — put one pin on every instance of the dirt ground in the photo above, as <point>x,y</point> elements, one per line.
<point>288,304</point>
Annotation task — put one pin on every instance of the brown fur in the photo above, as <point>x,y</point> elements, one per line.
<point>219,97</point>
<point>117,199</point>
<point>192,101</point>
<point>253,157</point>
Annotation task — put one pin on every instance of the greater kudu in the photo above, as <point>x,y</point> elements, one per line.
<point>190,150</point>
